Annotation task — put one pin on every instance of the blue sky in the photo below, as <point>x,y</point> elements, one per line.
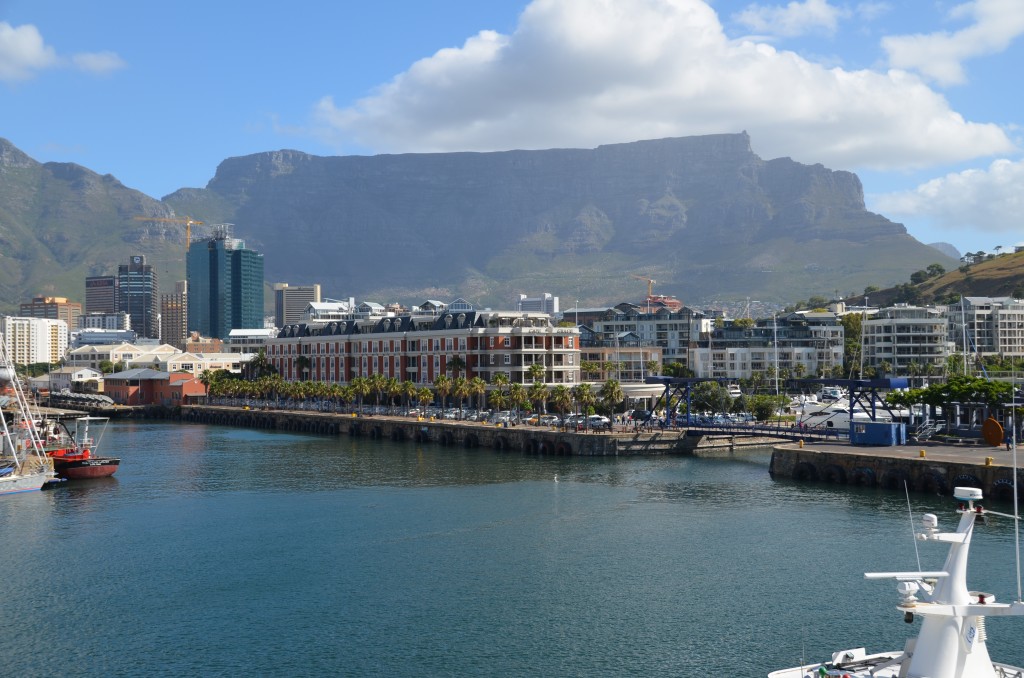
<point>922,99</point>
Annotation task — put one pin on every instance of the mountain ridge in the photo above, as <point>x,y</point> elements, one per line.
<point>703,216</point>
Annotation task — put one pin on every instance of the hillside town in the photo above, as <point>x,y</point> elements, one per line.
<point>137,344</point>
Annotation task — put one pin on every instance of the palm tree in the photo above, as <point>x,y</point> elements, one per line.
<point>478,387</point>
<point>517,397</point>
<point>409,392</point>
<point>537,372</point>
<point>361,387</point>
<point>538,394</point>
<point>443,386</point>
<point>425,396</point>
<point>583,396</point>
<point>393,388</point>
<point>611,395</point>
<point>460,389</point>
<point>561,398</point>
<point>498,399</point>
<point>378,384</point>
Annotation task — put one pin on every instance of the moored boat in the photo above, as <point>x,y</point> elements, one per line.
<point>24,465</point>
<point>953,635</point>
<point>73,453</point>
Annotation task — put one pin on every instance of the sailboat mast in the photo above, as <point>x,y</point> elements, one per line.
<point>963,323</point>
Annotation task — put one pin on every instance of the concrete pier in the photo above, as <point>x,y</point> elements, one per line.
<point>931,468</point>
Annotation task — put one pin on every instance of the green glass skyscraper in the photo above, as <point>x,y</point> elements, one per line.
<point>225,283</point>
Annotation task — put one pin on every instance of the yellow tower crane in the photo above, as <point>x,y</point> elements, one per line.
<point>188,221</point>
<point>650,283</point>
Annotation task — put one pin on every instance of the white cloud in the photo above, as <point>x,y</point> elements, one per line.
<point>99,63</point>
<point>979,201</point>
<point>796,18</point>
<point>869,11</point>
<point>23,52</point>
<point>940,56</point>
<point>574,74</point>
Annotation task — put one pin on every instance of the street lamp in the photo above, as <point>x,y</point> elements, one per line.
<point>577,313</point>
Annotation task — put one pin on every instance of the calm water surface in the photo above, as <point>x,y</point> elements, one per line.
<point>225,552</point>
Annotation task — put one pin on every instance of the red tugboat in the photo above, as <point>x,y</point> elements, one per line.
<point>72,453</point>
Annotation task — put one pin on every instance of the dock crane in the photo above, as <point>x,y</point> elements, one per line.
<point>650,284</point>
<point>188,221</point>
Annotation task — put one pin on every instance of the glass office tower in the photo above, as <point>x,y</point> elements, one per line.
<point>225,286</point>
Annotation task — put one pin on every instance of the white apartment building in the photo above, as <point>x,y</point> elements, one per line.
<point>994,326</point>
<point>34,340</point>
<point>248,341</point>
<point>669,331</point>
<point>904,335</point>
<point>797,345</point>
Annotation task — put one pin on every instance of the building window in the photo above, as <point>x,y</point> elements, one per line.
<point>508,341</point>
<point>508,359</point>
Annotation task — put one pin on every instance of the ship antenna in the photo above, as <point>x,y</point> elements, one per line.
<point>913,536</point>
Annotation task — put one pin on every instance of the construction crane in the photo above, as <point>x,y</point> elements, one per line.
<point>650,284</point>
<point>188,221</point>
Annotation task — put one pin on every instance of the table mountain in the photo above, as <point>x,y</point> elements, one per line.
<point>703,216</point>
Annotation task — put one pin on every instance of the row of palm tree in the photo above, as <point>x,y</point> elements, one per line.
<point>392,392</point>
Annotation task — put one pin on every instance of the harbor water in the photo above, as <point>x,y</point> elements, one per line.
<point>223,552</point>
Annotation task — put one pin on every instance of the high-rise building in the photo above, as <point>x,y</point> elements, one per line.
<point>225,284</point>
<point>174,316</point>
<point>101,294</point>
<point>30,341</point>
<point>139,296</point>
<point>55,308</point>
<point>290,302</point>
<point>545,303</point>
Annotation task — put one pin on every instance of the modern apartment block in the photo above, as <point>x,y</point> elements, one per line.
<point>101,294</point>
<point>225,282</point>
<point>138,296</point>
<point>34,340</point>
<point>291,301</point>
<point>420,346</point>
<point>903,336</point>
<point>994,326</point>
<point>174,316</point>
<point>54,308</point>
<point>105,321</point>
<point>796,344</point>
<point>670,331</point>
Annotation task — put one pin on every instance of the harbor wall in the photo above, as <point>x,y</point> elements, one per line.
<point>522,438</point>
<point>919,470</point>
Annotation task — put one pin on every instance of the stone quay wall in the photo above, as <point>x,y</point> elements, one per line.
<point>521,438</point>
<point>933,470</point>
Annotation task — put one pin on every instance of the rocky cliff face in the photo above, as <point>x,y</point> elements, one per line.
<point>704,216</point>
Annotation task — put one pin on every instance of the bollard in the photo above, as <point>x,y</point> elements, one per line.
<point>801,444</point>
<point>988,461</point>
<point>922,454</point>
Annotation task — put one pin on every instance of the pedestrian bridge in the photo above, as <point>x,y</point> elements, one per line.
<point>782,431</point>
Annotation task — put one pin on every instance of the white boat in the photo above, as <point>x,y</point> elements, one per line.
<point>835,415</point>
<point>953,635</point>
<point>24,465</point>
